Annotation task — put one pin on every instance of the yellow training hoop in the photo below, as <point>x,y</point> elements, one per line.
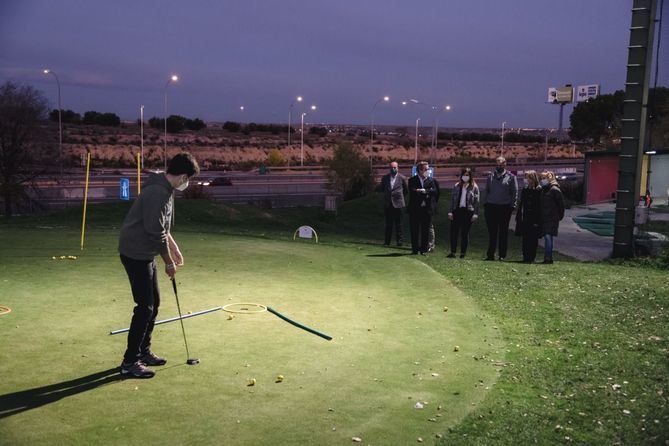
<point>5,310</point>
<point>244,308</point>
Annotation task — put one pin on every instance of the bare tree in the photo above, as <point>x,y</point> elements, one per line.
<point>22,110</point>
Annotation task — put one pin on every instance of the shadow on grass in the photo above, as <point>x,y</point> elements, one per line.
<point>17,402</point>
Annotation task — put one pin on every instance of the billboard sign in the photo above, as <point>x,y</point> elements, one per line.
<point>565,94</point>
<point>552,95</point>
<point>586,92</point>
<point>562,95</point>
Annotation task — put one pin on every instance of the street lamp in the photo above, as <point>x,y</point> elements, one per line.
<point>313,108</point>
<point>141,133</point>
<point>290,111</point>
<point>415,158</point>
<point>384,99</point>
<point>435,131</point>
<point>172,78</point>
<point>415,102</point>
<point>60,122</point>
<point>502,151</point>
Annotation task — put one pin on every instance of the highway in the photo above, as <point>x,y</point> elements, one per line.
<point>279,188</point>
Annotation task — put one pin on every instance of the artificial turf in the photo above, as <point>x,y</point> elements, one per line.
<point>393,345</point>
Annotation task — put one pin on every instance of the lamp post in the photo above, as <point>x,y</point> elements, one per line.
<point>60,122</point>
<point>313,107</point>
<point>172,78</point>
<point>290,112</point>
<point>502,151</point>
<point>141,133</point>
<point>416,102</point>
<point>384,99</point>
<point>435,131</point>
<point>415,158</point>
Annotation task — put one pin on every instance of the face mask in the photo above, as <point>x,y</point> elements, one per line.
<point>465,178</point>
<point>393,171</point>
<point>182,187</point>
<point>499,169</point>
<point>544,183</point>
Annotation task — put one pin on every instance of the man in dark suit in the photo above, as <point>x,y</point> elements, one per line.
<point>394,187</point>
<point>422,206</point>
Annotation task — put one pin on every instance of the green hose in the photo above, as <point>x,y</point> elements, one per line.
<point>298,325</point>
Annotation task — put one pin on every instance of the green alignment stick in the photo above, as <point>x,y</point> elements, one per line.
<point>298,325</point>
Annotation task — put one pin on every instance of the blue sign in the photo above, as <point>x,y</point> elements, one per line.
<point>414,171</point>
<point>125,189</point>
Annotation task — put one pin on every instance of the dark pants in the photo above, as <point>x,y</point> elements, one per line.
<point>419,222</point>
<point>497,217</point>
<point>393,219</point>
<point>143,276</point>
<point>530,243</point>
<point>461,223</point>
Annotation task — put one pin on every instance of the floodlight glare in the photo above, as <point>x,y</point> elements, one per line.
<point>46,71</point>
<point>386,98</point>
<point>174,78</point>
<point>299,99</point>
<point>313,107</point>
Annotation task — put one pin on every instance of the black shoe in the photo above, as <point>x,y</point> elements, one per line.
<point>423,253</point>
<point>548,261</point>
<point>502,259</point>
<point>488,259</point>
<point>462,256</point>
<point>136,370</point>
<point>152,359</point>
<point>451,255</point>
<point>400,244</point>
<point>413,253</point>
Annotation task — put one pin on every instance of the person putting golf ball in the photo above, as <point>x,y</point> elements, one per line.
<point>144,235</point>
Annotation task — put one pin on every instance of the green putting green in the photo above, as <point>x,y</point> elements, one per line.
<point>393,346</point>
<point>600,223</point>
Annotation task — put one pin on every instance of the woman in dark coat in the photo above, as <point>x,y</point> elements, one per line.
<point>528,216</point>
<point>552,211</point>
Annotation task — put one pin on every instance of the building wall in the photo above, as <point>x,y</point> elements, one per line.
<point>602,178</point>
<point>659,177</point>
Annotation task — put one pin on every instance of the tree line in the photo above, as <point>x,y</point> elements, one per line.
<point>598,121</point>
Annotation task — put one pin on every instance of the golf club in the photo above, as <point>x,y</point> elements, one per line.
<point>189,360</point>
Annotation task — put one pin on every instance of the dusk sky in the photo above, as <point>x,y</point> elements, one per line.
<point>491,60</point>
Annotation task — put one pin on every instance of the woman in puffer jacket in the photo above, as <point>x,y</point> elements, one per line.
<point>552,211</point>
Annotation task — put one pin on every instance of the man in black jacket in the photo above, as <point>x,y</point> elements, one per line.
<point>394,187</point>
<point>145,234</point>
<point>422,206</point>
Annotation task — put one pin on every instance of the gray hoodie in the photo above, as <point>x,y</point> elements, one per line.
<point>147,225</point>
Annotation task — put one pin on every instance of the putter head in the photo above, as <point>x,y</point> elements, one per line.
<point>192,361</point>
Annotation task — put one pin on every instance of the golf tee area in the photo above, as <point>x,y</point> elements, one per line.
<point>424,349</point>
